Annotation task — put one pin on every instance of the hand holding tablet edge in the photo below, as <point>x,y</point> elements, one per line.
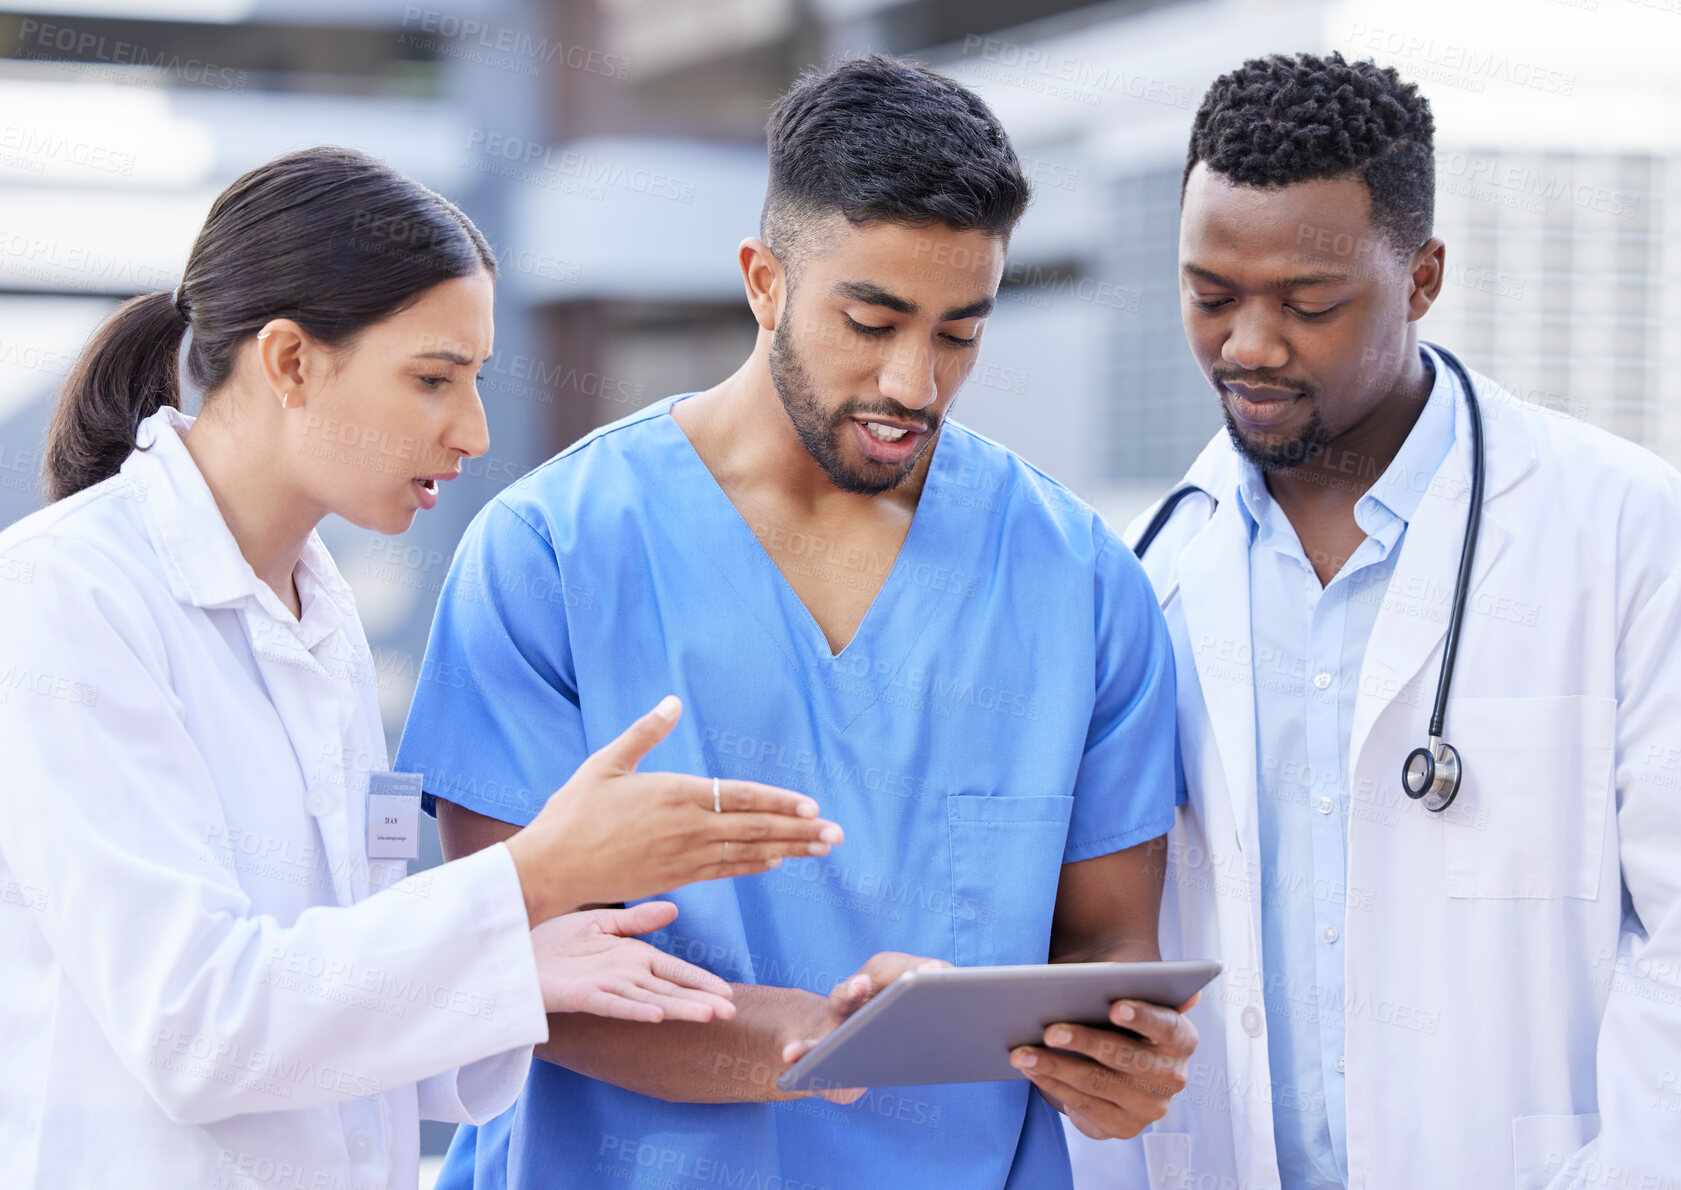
<point>927,1034</point>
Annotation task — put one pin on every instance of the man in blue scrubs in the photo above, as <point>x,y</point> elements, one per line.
<point>858,598</point>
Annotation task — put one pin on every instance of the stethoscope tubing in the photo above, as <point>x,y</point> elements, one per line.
<point>1462,583</point>
<point>1468,552</point>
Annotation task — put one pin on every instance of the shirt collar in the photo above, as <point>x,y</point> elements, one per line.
<point>203,561</point>
<point>1401,487</point>
<point>1253,499</point>
<point>1392,500</point>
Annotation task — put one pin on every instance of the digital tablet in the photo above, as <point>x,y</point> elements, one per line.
<point>959,1024</point>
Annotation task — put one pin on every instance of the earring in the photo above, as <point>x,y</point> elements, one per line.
<point>283,397</point>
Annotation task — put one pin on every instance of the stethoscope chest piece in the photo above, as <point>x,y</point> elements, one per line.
<point>1432,773</point>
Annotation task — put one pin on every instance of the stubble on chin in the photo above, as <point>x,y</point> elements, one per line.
<point>819,431</point>
<point>1284,456</point>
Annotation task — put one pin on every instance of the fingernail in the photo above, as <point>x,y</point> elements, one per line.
<point>774,861</point>
<point>806,809</point>
<point>1059,1036</point>
<point>817,848</point>
<point>668,708</point>
<point>1022,1059</point>
<point>860,985</point>
<point>830,834</point>
<point>1123,1013</point>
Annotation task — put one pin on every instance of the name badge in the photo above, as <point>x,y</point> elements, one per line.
<point>393,815</point>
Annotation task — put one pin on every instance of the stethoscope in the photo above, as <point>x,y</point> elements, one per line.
<point>1432,772</point>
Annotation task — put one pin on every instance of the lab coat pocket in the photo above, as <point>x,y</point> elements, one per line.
<point>1530,818</point>
<point>1543,1145</point>
<point>1006,858</point>
<point>1167,1157</point>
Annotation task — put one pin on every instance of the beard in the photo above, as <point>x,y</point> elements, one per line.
<point>1281,456</point>
<point>820,431</point>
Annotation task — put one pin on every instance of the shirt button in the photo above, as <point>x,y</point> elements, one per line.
<point>1322,681</point>
<point>1342,1064</point>
<point>319,801</point>
<point>361,1146</point>
<point>1330,933</point>
<point>1326,805</point>
<point>1252,1021</point>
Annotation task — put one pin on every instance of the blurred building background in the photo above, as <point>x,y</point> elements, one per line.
<point>612,150</point>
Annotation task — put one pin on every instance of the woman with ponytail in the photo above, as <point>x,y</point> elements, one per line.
<point>217,971</point>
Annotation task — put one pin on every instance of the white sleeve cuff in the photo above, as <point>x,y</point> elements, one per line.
<point>477,1092</point>
<point>500,940</point>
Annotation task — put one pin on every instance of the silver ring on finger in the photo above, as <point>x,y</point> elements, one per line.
<point>726,851</point>
<point>717,803</point>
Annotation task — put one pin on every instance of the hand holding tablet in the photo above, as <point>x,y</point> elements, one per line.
<point>849,997</point>
<point>1114,1084</point>
<point>939,1024</point>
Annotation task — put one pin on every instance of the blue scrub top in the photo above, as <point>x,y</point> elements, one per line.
<point>1007,706</point>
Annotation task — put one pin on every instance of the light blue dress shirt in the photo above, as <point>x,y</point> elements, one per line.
<point>1308,645</point>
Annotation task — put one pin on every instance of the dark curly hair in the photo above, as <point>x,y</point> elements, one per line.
<point>883,138</point>
<point>1279,120</point>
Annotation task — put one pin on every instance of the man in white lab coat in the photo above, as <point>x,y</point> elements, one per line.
<point>1485,996</point>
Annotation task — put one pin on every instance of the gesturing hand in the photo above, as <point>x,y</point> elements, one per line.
<point>614,834</point>
<point>588,962</point>
<point>1111,1084</point>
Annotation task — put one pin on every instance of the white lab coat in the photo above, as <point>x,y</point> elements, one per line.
<point>204,984</point>
<point>1513,965</point>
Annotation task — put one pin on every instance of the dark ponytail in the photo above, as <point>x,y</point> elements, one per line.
<point>124,374</point>
<point>331,238</point>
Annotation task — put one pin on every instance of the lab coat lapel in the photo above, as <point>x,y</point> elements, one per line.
<point>303,695</point>
<point>205,568</point>
<point>1214,596</point>
<point>1413,619</point>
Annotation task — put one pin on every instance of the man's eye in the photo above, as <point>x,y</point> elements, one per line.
<point>873,332</point>
<point>1209,303</point>
<point>432,382</point>
<point>1301,313</point>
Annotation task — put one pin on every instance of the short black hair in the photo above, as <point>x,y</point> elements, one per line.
<point>884,138</point>
<point>1279,120</point>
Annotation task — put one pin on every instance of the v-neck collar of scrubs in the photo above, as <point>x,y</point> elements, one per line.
<point>892,623</point>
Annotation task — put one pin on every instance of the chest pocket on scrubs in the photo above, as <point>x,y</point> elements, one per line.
<point>1006,858</point>
<point>1530,820</point>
